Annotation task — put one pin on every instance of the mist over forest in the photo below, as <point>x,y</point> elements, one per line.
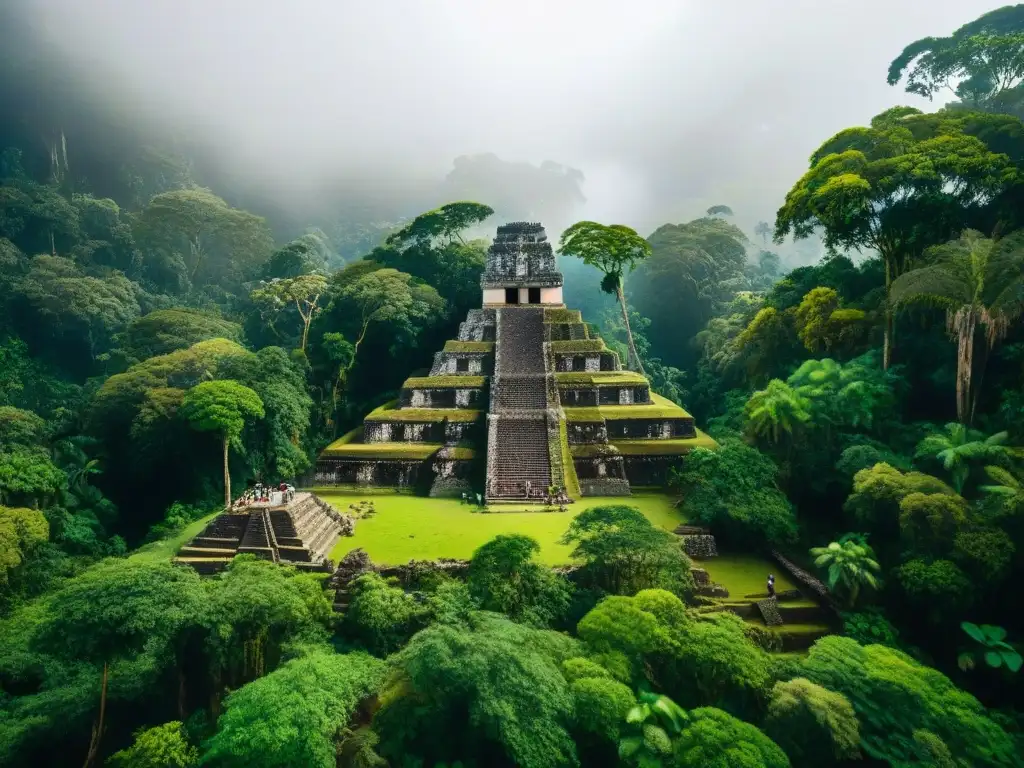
<point>449,384</point>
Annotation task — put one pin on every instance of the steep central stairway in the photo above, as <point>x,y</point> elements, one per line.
<point>519,464</point>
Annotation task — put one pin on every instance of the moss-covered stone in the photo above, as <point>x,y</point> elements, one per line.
<point>658,408</point>
<point>601,379</point>
<point>593,451</point>
<point>669,447</point>
<point>388,412</point>
<point>578,345</point>
<point>556,315</point>
<point>444,382</point>
<point>469,346</point>
<point>382,451</point>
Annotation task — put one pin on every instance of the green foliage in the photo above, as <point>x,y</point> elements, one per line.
<point>716,739</point>
<point>655,720</point>
<point>381,616</point>
<point>27,475</point>
<point>980,284</point>
<point>959,448</point>
<point>733,490</point>
<point>221,407</point>
<point>21,530</point>
<point>503,577</point>
<point>623,552</point>
<point>164,746</point>
<point>928,521</point>
<point>693,271</point>
<point>169,330</point>
<point>291,716</point>
<point>776,410</point>
<point>848,565</point>
<point>492,694</point>
<point>878,491</point>
<point>894,697</point>
<point>813,725</point>
<point>938,586</point>
<point>446,222</point>
<point>997,652</point>
<point>869,626</point>
<point>197,239</point>
<point>984,57</point>
<point>600,705</point>
<point>986,554</point>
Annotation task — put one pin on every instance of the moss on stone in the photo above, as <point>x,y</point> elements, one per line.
<point>658,408</point>
<point>592,451</point>
<point>349,437</point>
<point>601,379</point>
<point>671,447</point>
<point>444,382</point>
<point>388,412</point>
<point>572,482</point>
<point>556,315</point>
<point>578,345</point>
<point>469,346</point>
<point>460,453</point>
<point>408,451</point>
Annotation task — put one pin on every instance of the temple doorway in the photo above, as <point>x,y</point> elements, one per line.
<point>534,295</point>
<point>511,295</point>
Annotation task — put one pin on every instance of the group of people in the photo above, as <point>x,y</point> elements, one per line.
<point>267,494</point>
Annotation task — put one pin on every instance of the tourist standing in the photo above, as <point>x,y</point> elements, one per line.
<point>771,586</point>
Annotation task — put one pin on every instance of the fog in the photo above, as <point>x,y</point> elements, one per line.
<point>666,106</point>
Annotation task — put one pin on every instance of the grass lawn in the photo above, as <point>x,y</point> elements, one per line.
<point>165,549</point>
<point>417,528</point>
<point>744,574</point>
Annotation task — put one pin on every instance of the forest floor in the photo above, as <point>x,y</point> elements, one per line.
<point>744,574</point>
<point>407,527</point>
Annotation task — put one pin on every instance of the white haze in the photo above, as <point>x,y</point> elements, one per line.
<point>666,106</point>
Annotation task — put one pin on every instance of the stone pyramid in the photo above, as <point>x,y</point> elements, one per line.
<point>530,385</point>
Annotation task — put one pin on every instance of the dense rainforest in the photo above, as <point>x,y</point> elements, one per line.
<point>157,326</point>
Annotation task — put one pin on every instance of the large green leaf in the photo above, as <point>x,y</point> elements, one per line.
<point>973,630</point>
<point>993,659</point>
<point>993,633</point>
<point>1012,659</point>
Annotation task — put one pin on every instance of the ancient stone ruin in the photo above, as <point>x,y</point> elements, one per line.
<point>527,400</point>
<point>301,532</point>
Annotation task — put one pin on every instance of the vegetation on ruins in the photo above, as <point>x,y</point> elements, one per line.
<point>166,336</point>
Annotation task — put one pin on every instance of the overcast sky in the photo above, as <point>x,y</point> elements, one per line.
<point>666,105</point>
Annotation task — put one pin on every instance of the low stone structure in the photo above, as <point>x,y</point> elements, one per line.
<point>301,532</point>
<point>701,546</point>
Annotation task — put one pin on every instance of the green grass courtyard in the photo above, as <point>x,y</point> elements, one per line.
<point>410,527</point>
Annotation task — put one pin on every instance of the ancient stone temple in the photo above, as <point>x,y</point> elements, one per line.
<point>528,396</point>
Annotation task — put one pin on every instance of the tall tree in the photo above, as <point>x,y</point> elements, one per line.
<point>960,446</point>
<point>615,250</point>
<point>907,182</point>
<point>980,284</point>
<point>763,230</point>
<point>303,291</point>
<point>222,407</point>
<point>445,224</point>
<point>213,240</point>
<point>719,210</point>
<point>978,62</point>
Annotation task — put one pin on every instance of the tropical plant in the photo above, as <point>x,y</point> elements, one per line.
<point>655,720</point>
<point>1005,485</point>
<point>960,447</point>
<point>777,409</point>
<point>980,284</point>
<point>994,648</point>
<point>850,566</point>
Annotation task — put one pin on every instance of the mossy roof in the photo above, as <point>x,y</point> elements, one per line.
<point>459,453</point>
<point>469,346</point>
<point>578,345</point>
<point>562,315</point>
<point>601,379</point>
<point>658,408</point>
<point>444,382</point>
<point>590,451</point>
<point>408,451</point>
<point>388,412</point>
<point>671,447</point>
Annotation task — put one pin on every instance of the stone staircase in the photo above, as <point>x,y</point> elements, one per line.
<point>303,533</point>
<point>518,460</point>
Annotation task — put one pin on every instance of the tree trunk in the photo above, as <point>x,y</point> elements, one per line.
<point>889,324</point>
<point>97,730</point>
<point>227,476</point>
<point>963,323</point>
<point>629,332</point>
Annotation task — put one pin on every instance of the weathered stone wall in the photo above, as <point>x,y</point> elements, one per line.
<point>648,470</point>
<point>330,472</point>
<point>587,432</point>
<point>604,486</point>
<point>701,546</point>
<point>652,429</point>
<point>477,364</point>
